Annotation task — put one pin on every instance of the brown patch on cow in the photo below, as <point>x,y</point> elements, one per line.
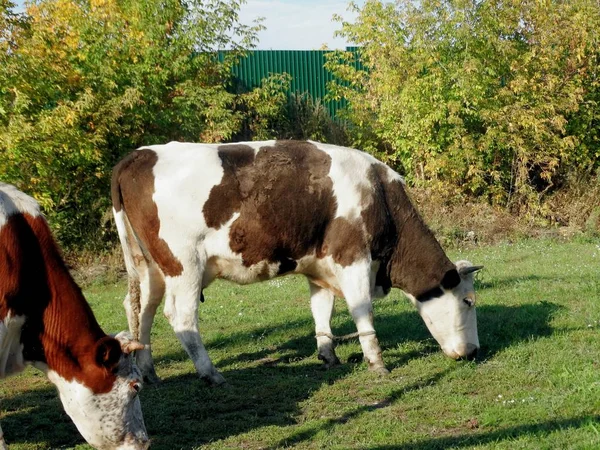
<point>60,329</point>
<point>345,241</point>
<point>412,259</point>
<point>132,188</point>
<point>225,199</point>
<point>285,199</point>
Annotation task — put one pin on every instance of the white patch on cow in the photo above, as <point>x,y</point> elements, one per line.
<point>103,419</point>
<point>13,201</point>
<point>122,223</point>
<point>11,349</point>
<point>356,283</point>
<point>348,169</point>
<point>181,190</point>
<point>322,271</point>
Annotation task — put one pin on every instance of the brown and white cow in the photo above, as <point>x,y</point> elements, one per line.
<point>189,213</point>
<point>45,321</point>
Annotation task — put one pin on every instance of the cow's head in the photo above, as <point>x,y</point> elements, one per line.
<point>449,312</point>
<point>110,419</point>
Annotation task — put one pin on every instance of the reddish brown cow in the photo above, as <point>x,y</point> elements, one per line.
<point>45,321</point>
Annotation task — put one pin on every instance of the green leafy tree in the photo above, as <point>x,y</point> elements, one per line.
<point>84,82</point>
<point>492,97</point>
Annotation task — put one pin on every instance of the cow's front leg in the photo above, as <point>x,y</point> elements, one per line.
<point>356,287</point>
<point>181,309</point>
<point>321,304</point>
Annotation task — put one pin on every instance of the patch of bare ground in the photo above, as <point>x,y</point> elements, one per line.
<point>89,267</point>
<point>564,215</point>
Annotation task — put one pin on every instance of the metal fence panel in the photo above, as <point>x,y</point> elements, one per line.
<point>304,66</point>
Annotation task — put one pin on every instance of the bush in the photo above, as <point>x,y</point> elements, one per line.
<point>490,99</point>
<point>83,83</point>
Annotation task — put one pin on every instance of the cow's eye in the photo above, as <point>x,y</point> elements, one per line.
<point>136,386</point>
<point>468,301</point>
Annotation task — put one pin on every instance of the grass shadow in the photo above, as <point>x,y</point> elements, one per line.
<point>270,392</point>
<point>499,327</point>
<point>38,416</point>
<point>306,435</point>
<point>191,414</point>
<point>501,283</point>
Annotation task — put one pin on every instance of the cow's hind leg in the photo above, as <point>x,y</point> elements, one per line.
<point>3,445</point>
<point>181,309</point>
<point>321,304</point>
<point>151,291</point>
<point>355,281</point>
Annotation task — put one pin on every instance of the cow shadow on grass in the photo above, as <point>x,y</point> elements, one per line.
<point>38,416</point>
<point>267,391</point>
<point>182,412</point>
<point>499,327</point>
<point>270,392</point>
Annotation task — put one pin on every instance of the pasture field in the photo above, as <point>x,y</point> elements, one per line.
<point>535,384</point>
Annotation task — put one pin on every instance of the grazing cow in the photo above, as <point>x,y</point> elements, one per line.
<point>45,321</point>
<point>189,213</point>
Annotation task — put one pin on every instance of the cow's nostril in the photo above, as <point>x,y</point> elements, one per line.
<point>472,355</point>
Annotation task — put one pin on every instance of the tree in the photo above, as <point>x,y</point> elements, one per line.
<point>84,82</point>
<point>476,97</point>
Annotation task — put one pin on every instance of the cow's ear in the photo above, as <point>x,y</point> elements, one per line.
<point>465,268</point>
<point>128,344</point>
<point>108,353</point>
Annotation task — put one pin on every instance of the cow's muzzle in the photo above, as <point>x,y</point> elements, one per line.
<point>464,351</point>
<point>135,442</point>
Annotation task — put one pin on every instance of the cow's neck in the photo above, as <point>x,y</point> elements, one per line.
<point>60,330</point>
<point>418,263</point>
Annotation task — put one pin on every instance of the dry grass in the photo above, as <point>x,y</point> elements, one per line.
<point>571,212</point>
<point>89,267</point>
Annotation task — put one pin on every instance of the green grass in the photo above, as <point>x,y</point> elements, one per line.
<point>536,384</point>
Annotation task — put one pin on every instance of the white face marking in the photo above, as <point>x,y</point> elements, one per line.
<point>13,201</point>
<point>450,320</point>
<point>11,349</point>
<point>107,421</point>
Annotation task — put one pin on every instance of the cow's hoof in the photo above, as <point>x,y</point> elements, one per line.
<point>330,361</point>
<point>381,371</point>
<point>378,368</point>
<point>215,379</point>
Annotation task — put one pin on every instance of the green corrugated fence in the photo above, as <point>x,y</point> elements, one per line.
<point>304,66</point>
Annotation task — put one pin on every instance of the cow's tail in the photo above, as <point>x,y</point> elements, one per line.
<point>132,253</point>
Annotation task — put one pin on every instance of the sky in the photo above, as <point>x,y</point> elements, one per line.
<point>294,24</point>
<point>298,24</point>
